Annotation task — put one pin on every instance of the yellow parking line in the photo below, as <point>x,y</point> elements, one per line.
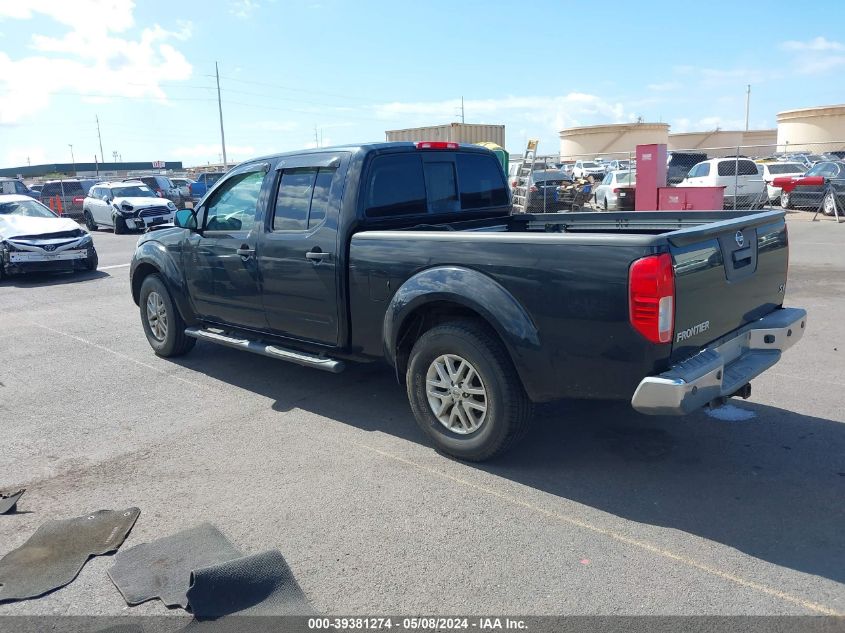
<point>689,562</point>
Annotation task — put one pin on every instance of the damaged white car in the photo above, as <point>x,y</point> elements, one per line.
<point>125,206</point>
<point>33,239</point>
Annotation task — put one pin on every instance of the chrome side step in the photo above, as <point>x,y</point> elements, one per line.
<point>273,351</point>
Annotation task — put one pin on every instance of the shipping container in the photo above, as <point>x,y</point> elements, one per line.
<point>455,132</point>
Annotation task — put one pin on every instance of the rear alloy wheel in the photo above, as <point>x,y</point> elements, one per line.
<point>89,221</point>
<point>829,204</point>
<point>464,391</point>
<point>163,325</point>
<point>784,200</point>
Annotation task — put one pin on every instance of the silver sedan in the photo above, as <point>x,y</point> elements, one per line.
<point>616,191</point>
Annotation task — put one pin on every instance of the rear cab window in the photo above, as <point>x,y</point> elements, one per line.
<point>433,182</point>
<point>729,168</point>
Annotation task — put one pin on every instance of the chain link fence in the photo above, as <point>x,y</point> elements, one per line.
<point>814,172</point>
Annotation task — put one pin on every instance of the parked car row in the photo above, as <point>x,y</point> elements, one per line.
<point>68,194</point>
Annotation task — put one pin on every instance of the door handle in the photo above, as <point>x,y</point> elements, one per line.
<point>245,251</point>
<point>318,255</point>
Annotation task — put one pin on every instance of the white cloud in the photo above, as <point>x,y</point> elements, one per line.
<point>816,56</point>
<point>815,44</point>
<point>102,53</point>
<point>568,110</point>
<point>243,8</point>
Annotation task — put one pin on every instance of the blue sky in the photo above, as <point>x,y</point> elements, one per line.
<point>356,69</point>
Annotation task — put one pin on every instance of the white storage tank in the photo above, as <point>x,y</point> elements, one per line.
<point>454,132</point>
<point>823,124</point>
<point>596,140</point>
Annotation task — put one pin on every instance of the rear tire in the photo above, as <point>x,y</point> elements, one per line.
<point>163,325</point>
<point>829,204</point>
<point>119,225</point>
<point>457,430</point>
<point>89,221</point>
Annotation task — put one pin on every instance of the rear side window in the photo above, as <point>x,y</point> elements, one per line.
<point>302,198</point>
<point>481,182</point>
<point>746,168</point>
<point>396,186</point>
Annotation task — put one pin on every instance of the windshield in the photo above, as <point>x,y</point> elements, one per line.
<point>626,178</point>
<point>589,165</point>
<point>28,208</point>
<point>133,191</point>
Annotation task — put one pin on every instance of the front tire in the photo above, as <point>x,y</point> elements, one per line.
<point>465,393</point>
<point>92,261</point>
<point>119,225</point>
<point>163,325</point>
<point>785,202</point>
<point>89,221</point>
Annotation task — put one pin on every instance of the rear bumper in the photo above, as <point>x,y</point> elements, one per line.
<point>721,369</point>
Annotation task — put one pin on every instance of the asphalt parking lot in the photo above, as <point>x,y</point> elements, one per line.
<point>599,511</point>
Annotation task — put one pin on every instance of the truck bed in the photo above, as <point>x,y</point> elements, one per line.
<point>570,273</point>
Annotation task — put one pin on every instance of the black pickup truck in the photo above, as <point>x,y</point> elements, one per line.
<point>409,253</point>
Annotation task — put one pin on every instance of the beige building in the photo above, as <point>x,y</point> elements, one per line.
<point>824,124</point>
<point>455,132</point>
<point>596,140</point>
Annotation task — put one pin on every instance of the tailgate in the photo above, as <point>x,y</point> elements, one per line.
<point>727,274</point>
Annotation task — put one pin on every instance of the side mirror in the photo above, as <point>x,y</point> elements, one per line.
<point>186,219</point>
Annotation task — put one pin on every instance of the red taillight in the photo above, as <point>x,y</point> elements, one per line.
<point>436,145</point>
<point>651,288</point>
<point>534,189</point>
<point>191,187</point>
<point>616,190</point>
<point>78,200</point>
<point>159,193</point>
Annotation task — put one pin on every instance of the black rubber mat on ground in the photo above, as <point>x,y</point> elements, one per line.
<point>261,584</point>
<point>162,568</point>
<point>9,498</point>
<point>53,556</point>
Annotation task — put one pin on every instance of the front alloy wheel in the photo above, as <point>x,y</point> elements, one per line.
<point>157,316</point>
<point>163,325</point>
<point>456,394</point>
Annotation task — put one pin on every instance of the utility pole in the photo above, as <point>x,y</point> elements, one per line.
<point>747,105</point>
<point>316,138</point>
<point>102,157</point>
<point>72,159</point>
<point>220,109</point>
<point>114,155</point>
<point>463,120</point>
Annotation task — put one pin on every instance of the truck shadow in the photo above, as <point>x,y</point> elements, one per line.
<point>58,278</point>
<point>772,486</point>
